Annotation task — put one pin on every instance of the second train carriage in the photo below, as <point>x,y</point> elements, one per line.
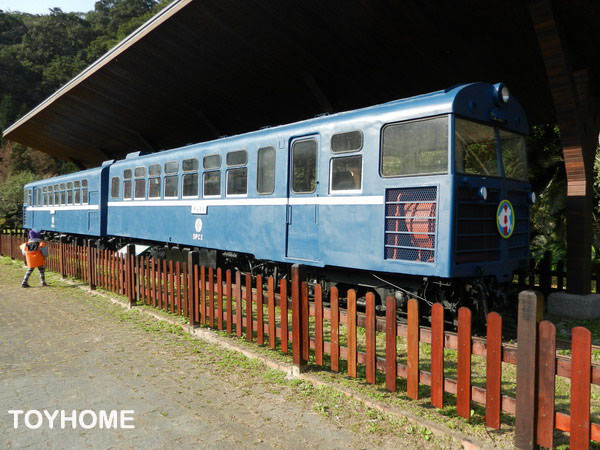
<point>431,186</point>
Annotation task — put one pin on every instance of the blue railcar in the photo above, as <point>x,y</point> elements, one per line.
<point>431,186</point>
<point>73,203</point>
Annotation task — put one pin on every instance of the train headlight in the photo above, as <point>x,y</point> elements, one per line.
<point>483,193</point>
<point>532,197</point>
<point>502,93</point>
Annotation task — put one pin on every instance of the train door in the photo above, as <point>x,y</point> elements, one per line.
<point>303,212</point>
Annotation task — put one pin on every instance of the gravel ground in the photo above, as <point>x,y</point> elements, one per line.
<point>63,349</point>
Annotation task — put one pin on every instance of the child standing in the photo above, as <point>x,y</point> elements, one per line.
<point>35,251</point>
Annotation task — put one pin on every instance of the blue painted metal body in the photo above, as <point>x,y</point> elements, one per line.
<point>83,218</point>
<point>323,228</point>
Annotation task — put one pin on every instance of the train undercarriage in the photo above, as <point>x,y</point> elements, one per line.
<point>480,294</point>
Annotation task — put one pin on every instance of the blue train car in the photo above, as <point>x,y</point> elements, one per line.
<point>73,203</point>
<point>433,187</point>
<point>410,186</point>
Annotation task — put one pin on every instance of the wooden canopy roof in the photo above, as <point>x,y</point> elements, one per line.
<point>202,69</point>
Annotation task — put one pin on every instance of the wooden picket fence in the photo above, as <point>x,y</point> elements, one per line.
<point>548,276</point>
<point>286,316</point>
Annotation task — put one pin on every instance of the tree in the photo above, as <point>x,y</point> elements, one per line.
<point>11,198</point>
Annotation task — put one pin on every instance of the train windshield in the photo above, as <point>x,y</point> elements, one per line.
<point>476,148</point>
<point>514,155</point>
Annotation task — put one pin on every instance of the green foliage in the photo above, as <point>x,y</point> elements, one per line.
<point>38,55</point>
<point>11,197</point>
<point>548,178</point>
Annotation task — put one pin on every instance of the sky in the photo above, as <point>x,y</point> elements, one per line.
<point>42,6</point>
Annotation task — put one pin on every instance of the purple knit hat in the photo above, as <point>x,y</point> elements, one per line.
<point>34,234</point>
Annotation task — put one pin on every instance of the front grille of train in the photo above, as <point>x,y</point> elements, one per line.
<point>410,224</point>
<point>518,243</point>
<point>477,237</point>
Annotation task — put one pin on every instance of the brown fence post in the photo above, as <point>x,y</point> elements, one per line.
<point>526,369</point>
<point>62,257</point>
<point>296,317</point>
<point>193,259</point>
<point>90,264</point>
<point>391,363</point>
<point>129,274</point>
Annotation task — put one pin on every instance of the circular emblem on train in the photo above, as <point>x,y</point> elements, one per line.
<point>198,225</point>
<point>505,219</point>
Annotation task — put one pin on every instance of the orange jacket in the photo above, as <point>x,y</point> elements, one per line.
<point>33,253</point>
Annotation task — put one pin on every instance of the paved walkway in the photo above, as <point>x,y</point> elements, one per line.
<point>64,349</point>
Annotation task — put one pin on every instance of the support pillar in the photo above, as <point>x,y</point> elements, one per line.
<point>578,119</point>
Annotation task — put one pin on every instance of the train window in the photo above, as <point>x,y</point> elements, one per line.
<point>114,187</point>
<point>154,170</point>
<point>139,186</point>
<point>127,190</point>
<point>70,193</point>
<point>265,170</point>
<point>212,184</point>
<point>49,197</point>
<point>237,158</point>
<point>63,194</point>
<point>171,186</point>
<point>139,191</point>
<point>475,148</point>
<point>77,197</point>
<point>56,195</point>
<point>211,162</point>
<point>127,174</point>
<point>26,196</point>
<point>154,187</point>
<point>189,164</point>
<point>514,156</point>
<point>418,147</point>
<point>347,142</point>
<point>190,185</point>
<point>171,167</point>
<point>346,173</point>
<point>44,196</point>
<point>237,181</point>
<point>84,191</point>
<point>77,192</point>
<point>304,166</point>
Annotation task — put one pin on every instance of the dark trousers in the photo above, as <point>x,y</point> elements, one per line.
<point>30,271</point>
